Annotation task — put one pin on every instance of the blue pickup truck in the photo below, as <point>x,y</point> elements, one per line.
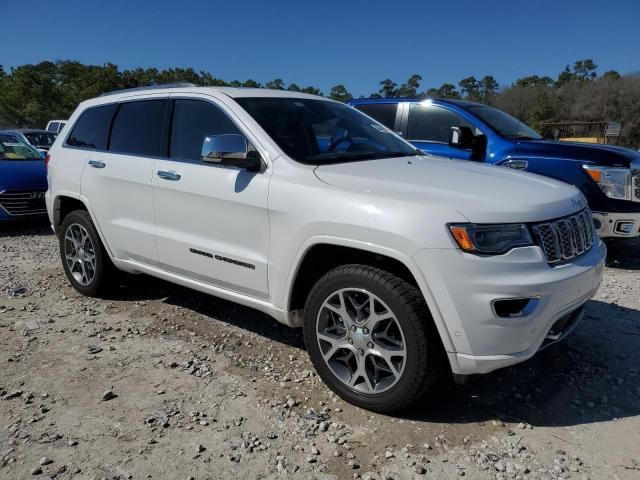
<point>608,176</point>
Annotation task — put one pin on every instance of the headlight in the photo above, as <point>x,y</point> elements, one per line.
<point>490,239</point>
<point>614,182</point>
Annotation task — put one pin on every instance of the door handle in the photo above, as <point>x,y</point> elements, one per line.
<point>97,164</point>
<point>169,175</point>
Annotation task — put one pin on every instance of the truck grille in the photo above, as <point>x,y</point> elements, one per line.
<point>635,183</point>
<point>23,202</point>
<point>566,238</point>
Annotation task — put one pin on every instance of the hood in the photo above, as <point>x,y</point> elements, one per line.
<point>607,155</point>
<point>482,193</point>
<point>18,174</point>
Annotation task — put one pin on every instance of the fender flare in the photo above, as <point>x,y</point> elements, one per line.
<point>403,258</point>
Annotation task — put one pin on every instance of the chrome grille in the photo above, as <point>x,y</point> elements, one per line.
<point>566,238</point>
<point>635,184</point>
<point>23,202</point>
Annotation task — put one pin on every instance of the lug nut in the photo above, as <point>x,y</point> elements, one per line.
<point>354,328</point>
<point>365,331</point>
<point>351,341</point>
<point>370,345</point>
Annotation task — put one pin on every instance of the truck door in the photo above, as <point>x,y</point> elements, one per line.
<point>428,127</point>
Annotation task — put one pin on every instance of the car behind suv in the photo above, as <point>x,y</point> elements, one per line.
<point>401,268</point>
<point>23,180</point>
<point>607,175</point>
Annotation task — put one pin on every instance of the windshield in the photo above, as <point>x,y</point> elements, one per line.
<point>13,149</point>
<point>41,139</point>
<point>503,123</point>
<point>319,131</point>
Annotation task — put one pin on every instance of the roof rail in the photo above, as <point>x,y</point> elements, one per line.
<point>150,87</point>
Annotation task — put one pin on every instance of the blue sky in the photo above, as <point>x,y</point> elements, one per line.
<point>357,43</point>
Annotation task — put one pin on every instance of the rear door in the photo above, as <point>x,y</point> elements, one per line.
<point>212,221</point>
<point>117,180</point>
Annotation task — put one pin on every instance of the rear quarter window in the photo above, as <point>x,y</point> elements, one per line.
<point>385,113</point>
<point>92,128</point>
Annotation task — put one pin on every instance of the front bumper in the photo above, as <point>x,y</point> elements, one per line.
<point>22,203</point>
<point>464,288</point>
<point>617,225</point>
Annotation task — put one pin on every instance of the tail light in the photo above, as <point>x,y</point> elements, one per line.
<point>47,158</point>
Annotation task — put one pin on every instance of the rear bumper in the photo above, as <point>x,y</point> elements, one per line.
<point>617,225</point>
<point>465,287</point>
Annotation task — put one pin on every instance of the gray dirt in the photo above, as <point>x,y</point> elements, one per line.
<point>163,382</point>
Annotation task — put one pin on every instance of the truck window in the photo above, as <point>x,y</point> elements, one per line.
<point>385,113</point>
<point>137,128</point>
<point>193,120</point>
<point>92,128</point>
<point>430,123</point>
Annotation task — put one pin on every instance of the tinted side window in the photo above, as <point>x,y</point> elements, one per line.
<point>53,127</point>
<point>385,113</point>
<point>137,128</point>
<point>92,128</point>
<point>432,123</point>
<point>193,120</point>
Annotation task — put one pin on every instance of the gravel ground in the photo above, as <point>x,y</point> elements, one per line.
<point>163,382</point>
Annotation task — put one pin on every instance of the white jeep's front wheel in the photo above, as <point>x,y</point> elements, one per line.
<point>371,338</point>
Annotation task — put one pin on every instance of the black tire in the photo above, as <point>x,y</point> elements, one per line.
<point>424,363</point>
<point>105,275</point>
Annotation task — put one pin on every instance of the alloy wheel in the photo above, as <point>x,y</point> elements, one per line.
<point>361,340</point>
<point>79,254</point>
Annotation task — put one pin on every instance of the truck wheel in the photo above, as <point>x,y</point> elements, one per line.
<point>84,259</point>
<point>371,338</point>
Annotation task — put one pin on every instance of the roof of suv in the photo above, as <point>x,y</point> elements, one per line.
<point>233,92</point>
<point>367,101</point>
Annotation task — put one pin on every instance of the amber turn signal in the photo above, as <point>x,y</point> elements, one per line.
<point>596,175</point>
<point>461,236</point>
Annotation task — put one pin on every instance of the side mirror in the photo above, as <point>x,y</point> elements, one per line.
<point>230,150</point>
<point>461,137</point>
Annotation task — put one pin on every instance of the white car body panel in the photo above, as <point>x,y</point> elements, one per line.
<point>122,203</point>
<point>396,207</point>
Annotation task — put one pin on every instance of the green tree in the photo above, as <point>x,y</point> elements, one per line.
<point>251,83</point>
<point>409,89</point>
<point>584,70</point>
<point>611,74</point>
<point>534,81</point>
<point>565,77</point>
<point>340,93</point>
<point>311,91</point>
<point>446,90</point>
<point>488,88</point>
<point>470,88</point>
<point>388,88</point>
<point>276,84</point>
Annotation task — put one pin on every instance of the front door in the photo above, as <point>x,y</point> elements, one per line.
<point>428,128</point>
<point>212,222</point>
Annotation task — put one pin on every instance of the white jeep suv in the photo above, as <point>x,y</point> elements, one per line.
<point>402,268</point>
